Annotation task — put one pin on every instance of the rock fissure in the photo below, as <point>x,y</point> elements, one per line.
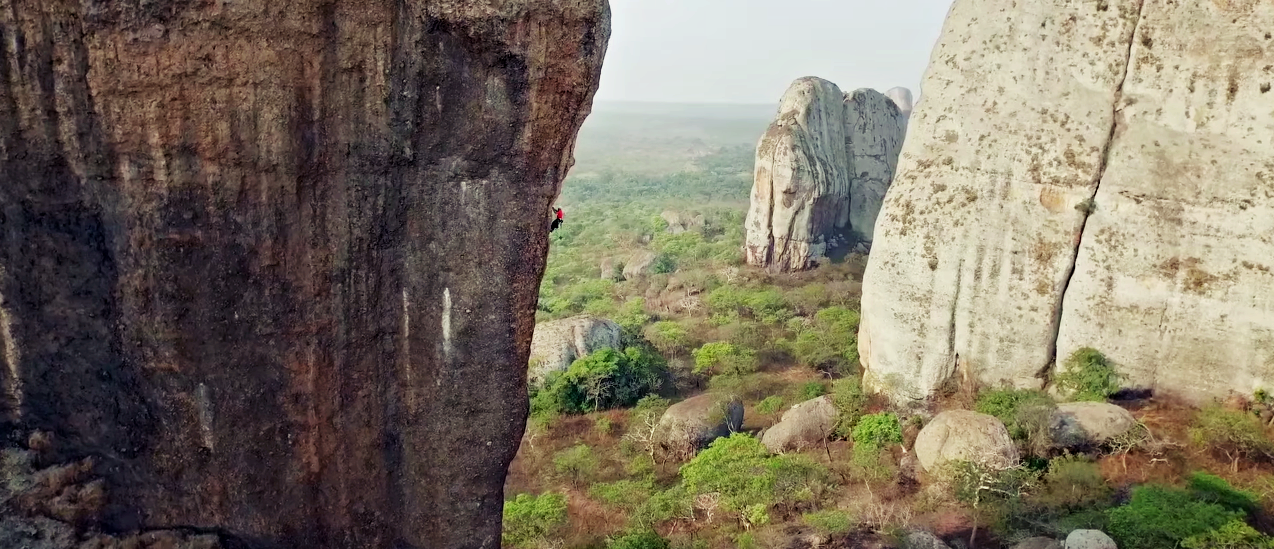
<point>1089,205</point>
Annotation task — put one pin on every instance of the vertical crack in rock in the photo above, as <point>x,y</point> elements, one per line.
<point>1089,206</point>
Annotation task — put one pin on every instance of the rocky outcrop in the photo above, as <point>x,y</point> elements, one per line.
<point>902,98</point>
<point>679,222</point>
<point>961,435</point>
<point>801,426</point>
<point>1079,424</point>
<point>558,343</point>
<point>692,424</point>
<point>226,272</point>
<point>639,264</point>
<point>1107,185</point>
<point>819,173</point>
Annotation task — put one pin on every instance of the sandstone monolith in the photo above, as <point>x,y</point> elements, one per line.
<point>1105,184</point>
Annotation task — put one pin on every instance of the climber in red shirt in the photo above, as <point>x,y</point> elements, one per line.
<point>556,222</point>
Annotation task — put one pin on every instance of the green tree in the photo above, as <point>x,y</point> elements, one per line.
<point>1088,375</point>
<point>529,519</point>
<point>604,379</point>
<point>724,358</point>
<point>829,342</point>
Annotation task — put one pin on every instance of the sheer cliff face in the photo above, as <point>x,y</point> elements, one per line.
<point>275,262</point>
<point>1105,184</point>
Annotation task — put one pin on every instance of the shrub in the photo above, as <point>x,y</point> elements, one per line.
<point>623,494</point>
<point>829,522</point>
<point>663,264</point>
<point>673,503</point>
<point>529,519</point>
<point>1235,534</point>
<point>724,358</point>
<point>746,476</point>
<point>645,539</point>
<point>1214,489</point>
<point>851,404</point>
<point>1237,435</point>
<point>1071,483</point>
<point>1025,412</point>
<point>770,405</point>
<point>830,342</point>
<point>878,430</point>
<point>1162,516</point>
<point>1088,375</point>
<point>668,337</point>
<point>812,389</point>
<point>604,379</point>
<point>747,540</point>
<point>577,463</point>
<point>603,425</point>
<point>631,316</point>
<point>869,463</point>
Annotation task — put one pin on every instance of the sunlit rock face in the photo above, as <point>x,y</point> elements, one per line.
<point>822,169</point>
<point>274,263</point>
<point>1106,183</point>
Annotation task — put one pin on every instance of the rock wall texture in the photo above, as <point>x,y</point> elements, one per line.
<point>1105,179</point>
<point>819,169</point>
<point>269,262</point>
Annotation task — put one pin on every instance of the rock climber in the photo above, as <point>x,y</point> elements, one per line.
<point>557,222</point>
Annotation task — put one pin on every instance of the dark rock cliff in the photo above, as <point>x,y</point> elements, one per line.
<point>273,263</point>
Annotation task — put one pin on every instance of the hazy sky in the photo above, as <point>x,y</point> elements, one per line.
<point>748,51</point>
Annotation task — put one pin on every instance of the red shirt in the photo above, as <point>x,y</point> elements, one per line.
<point>559,214</point>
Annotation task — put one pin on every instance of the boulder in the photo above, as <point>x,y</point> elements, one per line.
<point>1089,539</point>
<point>1078,424</point>
<point>679,223</point>
<point>919,539</point>
<point>1038,543</point>
<point>821,170</point>
<point>806,424</point>
<point>961,435</point>
<point>1103,185</point>
<point>902,98</point>
<point>639,264</point>
<point>607,269</point>
<point>692,424</point>
<point>272,262</point>
<point>558,343</point>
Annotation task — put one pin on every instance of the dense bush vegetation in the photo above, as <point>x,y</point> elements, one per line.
<point>528,519</point>
<point>1088,375</point>
<point>601,380</point>
<point>1025,413</point>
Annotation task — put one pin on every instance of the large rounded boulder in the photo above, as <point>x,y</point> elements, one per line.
<point>692,424</point>
<point>1079,424</point>
<point>806,424</point>
<point>961,435</point>
<point>558,343</point>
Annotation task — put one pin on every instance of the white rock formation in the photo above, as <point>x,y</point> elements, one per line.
<point>902,97</point>
<point>811,187</point>
<point>986,220</point>
<point>558,343</point>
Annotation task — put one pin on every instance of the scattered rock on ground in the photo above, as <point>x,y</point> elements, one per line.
<point>918,539</point>
<point>1038,543</point>
<point>692,424</point>
<point>806,424</point>
<point>965,435</point>
<point>1076,424</point>
<point>1089,539</point>
<point>558,343</point>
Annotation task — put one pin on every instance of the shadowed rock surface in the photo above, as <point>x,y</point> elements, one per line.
<point>1104,184</point>
<point>269,262</point>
